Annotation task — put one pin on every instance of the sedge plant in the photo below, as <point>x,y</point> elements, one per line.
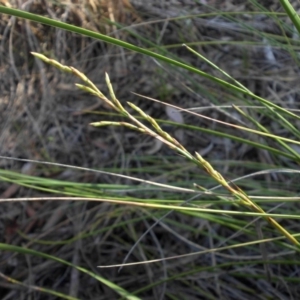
<point>153,129</point>
<point>158,133</point>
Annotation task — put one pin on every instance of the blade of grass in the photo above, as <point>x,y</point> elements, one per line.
<point>114,287</point>
<point>166,207</point>
<point>293,247</point>
<point>37,288</point>
<point>264,129</point>
<point>294,17</point>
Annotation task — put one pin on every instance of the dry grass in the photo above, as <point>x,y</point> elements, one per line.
<point>44,117</point>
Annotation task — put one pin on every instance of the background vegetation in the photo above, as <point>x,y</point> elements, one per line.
<point>76,196</point>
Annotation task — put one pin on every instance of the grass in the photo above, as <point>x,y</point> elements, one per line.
<point>187,226</point>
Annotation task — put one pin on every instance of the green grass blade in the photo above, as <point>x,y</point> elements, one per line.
<point>38,288</point>
<point>22,250</point>
<point>294,17</point>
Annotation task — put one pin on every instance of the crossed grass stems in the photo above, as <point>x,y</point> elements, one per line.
<point>240,197</point>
